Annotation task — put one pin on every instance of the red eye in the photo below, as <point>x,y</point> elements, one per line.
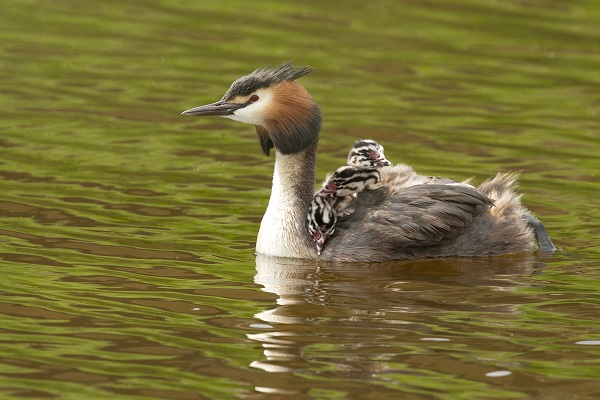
<point>254,98</point>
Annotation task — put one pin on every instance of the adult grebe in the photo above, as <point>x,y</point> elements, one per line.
<point>404,218</point>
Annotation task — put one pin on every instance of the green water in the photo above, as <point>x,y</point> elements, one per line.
<point>127,230</point>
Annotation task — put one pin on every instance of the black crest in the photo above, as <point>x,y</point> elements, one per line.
<point>265,77</point>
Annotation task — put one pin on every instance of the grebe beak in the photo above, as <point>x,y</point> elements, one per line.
<point>326,193</point>
<point>319,246</point>
<point>382,162</point>
<point>220,108</point>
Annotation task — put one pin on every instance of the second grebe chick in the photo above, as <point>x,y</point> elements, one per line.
<point>350,180</point>
<point>367,153</point>
<point>338,190</point>
<point>359,173</point>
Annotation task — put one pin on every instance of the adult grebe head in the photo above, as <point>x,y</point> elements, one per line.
<point>284,113</point>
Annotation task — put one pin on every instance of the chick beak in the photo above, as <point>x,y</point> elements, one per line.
<point>382,162</point>
<point>326,193</point>
<point>320,242</point>
<point>220,108</point>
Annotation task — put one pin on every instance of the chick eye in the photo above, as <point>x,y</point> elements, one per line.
<point>254,98</point>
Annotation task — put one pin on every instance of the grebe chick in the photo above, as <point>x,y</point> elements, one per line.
<point>358,174</point>
<point>339,189</point>
<point>367,153</point>
<point>393,222</point>
<point>349,180</point>
<point>344,184</point>
<point>321,221</point>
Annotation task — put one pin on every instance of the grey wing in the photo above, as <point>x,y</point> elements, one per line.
<point>417,216</point>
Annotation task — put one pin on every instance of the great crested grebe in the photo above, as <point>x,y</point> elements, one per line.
<point>404,218</point>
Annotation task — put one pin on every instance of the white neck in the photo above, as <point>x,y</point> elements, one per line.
<point>283,230</point>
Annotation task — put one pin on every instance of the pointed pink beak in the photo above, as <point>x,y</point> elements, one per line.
<point>320,242</point>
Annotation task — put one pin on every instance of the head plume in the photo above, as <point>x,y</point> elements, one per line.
<point>265,77</point>
<point>292,120</point>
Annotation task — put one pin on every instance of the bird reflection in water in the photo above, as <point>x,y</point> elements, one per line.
<point>361,321</point>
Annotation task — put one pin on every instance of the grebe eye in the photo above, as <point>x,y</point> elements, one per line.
<point>254,98</point>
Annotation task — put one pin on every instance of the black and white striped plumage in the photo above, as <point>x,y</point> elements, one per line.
<point>343,185</point>
<point>350,180</point>
<point>321,220</point>
<point>367,153</point>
